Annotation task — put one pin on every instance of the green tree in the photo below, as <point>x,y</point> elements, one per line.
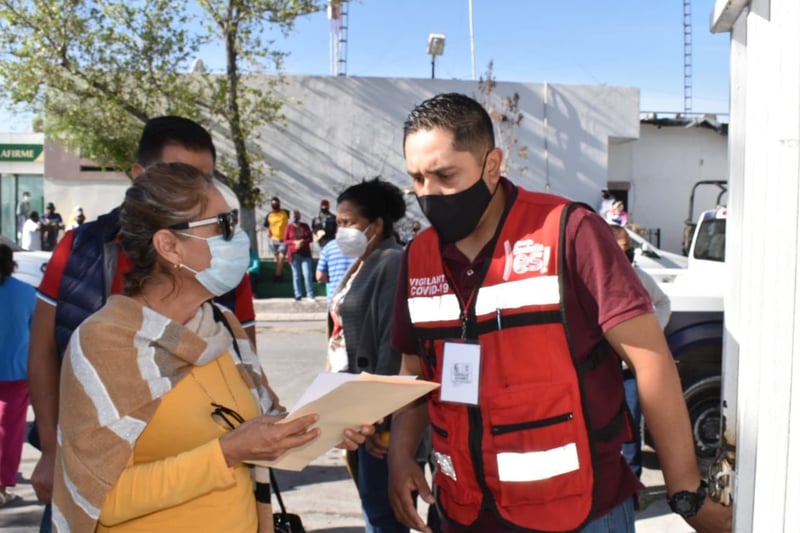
<point>97,70</point>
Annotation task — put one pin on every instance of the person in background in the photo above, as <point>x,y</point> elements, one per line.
<point>298,239</point>
<point>331,267</point>
<point>663,309</point>
<point>166,452</point>
<point>411,232</point>
<point>15,325</point>
<point>521,308</point>
<point>324,224</point>
<point>23,211</point>
<point>275,225</point>
<point>362,315</point>
<point>52,224</point>
<point>32,233</point>
<point>78,218</point>
<point>606,201</point>
<point>415,227</point>
<point>86,267</point>
<point>617,215</point>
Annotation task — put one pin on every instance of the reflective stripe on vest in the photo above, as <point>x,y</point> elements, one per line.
<point>526,450</point>
<point>541,290</point>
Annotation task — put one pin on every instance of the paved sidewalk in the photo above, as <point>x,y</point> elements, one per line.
<point>326,499</point>
<point>282,309</point>
<point>323,494</point>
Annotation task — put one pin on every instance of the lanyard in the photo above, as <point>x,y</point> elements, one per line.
<point>465,306</point>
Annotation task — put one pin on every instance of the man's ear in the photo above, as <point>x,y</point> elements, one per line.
<point>494,163</point>
<point>167,246</point>
<point>136,169</point>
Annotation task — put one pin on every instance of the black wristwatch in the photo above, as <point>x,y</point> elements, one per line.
<point>687,503</point>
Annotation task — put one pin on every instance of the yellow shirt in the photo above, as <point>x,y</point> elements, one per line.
<point>177,479</point>
<point>277,220</point>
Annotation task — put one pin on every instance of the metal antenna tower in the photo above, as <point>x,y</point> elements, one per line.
<point>337,14</point>
<point>687,56</point>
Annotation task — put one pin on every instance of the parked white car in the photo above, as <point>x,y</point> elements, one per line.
<point>30,265</point>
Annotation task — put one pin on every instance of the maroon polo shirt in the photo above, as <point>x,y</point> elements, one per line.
<point>604,291</point>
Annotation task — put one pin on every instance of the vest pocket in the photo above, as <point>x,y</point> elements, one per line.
<point>454,473</point>
<point>536,450</point>
<point>533,424</point>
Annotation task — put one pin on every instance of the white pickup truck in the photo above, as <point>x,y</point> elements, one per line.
<point>695,330</point>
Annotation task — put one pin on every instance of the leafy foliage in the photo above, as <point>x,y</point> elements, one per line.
<point>96,70</point>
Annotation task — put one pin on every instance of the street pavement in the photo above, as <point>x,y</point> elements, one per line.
<point>291,344</point>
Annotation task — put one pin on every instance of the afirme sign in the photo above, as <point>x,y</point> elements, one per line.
<point>20,152</point>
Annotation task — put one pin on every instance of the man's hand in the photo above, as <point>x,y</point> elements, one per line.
<point>44,369</point>
<point>378,445</point>
<point>712,517</point>
<point>405,478</point>
<point>353,438</point>
<point>42,477</point>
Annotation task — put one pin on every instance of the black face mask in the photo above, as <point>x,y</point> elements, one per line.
<point>454,216</point>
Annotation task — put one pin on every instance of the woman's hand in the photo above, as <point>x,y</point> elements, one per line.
<point>262,438</point>
<point>353,438</point>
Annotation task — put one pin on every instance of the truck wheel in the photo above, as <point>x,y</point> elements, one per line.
<point>703,400</point>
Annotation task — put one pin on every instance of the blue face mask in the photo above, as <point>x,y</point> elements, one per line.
<point>229,262</point>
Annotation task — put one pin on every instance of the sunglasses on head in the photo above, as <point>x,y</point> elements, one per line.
<point>227,222</point>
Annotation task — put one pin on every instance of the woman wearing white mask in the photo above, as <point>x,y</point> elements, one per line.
<point>361,310</point>
<point>162,394</point>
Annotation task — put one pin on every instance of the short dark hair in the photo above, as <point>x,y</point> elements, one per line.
<point>161,132</point>
<point>467,119</point>
<point>375,199</point>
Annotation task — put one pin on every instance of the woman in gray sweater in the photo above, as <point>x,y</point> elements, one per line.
<point>362,313</point>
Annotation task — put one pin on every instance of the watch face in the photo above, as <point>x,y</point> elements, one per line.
<point>684,503</point>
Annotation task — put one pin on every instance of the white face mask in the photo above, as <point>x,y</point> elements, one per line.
<point>229,262</point>
<point>352,241</point>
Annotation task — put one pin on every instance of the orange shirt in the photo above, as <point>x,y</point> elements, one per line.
<point>277,222</point>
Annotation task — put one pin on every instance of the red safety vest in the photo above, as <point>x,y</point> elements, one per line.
<point>527,450</point>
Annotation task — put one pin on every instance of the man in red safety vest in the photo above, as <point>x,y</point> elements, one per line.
<point>520,305</point>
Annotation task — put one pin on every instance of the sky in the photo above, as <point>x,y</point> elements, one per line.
<point>637,43</point>
<point>615,42</point>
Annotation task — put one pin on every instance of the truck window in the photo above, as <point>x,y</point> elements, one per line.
<point>710,243</point>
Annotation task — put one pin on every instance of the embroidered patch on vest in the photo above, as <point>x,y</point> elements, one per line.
<point>530,256</point>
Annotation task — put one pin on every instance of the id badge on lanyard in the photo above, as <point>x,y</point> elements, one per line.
<point>461,370</point>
